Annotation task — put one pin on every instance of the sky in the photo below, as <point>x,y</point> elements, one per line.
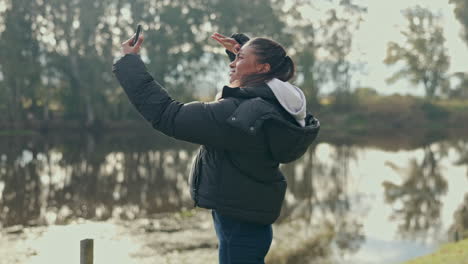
<point>383,23</point>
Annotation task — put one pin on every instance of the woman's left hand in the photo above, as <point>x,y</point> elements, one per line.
<point>127,49</point>
<point>228,43</point>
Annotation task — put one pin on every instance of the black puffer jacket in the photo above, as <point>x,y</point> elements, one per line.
<point>244,136</point>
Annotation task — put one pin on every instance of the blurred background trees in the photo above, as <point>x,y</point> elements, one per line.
<point>56,55</point>
<point>424,56</point>
<point>461,13</point>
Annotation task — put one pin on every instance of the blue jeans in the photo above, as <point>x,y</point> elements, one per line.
<point>241,242</point>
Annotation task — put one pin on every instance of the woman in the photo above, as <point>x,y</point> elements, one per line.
<point>252,128</point>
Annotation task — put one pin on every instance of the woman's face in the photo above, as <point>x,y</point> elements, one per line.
<point>245,64</point>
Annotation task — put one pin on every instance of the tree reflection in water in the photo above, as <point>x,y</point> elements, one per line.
<point>459,228</point>
<point>317,211</point>
<point>19,174</point>
<point>56,179</point>
<point>461,147</point>
<point>91,177</point>
<point>417,200</point>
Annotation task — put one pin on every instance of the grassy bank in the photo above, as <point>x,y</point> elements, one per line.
<point>368,112</point>
<point>452,253</point>
<point>363,112</point>
<point>17,132</point>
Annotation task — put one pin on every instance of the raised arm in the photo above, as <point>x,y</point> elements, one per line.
<point>196,122</point>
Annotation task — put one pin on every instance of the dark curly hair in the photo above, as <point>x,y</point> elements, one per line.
<point>268,51</point>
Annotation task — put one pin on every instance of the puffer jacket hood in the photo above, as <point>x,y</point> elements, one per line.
<point>291,98</point>
<point>288,143</point>
<point>287,134</point>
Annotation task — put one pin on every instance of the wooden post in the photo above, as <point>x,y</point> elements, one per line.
<point>86,251</point>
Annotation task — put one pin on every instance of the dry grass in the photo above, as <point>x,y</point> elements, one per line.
<point>453,253</point>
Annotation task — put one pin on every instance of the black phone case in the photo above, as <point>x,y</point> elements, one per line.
<point>138,30</point>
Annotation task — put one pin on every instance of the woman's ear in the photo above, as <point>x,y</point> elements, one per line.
<point>263,68</point>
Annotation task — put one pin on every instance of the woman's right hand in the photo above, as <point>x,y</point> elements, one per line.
<point>228,43</point>
<point>127,48</point>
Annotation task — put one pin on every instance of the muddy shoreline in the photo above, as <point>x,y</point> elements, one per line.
<point>183,237</point>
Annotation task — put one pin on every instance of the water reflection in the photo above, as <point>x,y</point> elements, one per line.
<point>319,198</point>
<point>57,179</point>
<point>461,147</point>
<point>417,199</point>
<point>459,228</point>
<point>91,177</point>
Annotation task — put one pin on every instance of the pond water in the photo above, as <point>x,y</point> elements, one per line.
<point>377,200</point>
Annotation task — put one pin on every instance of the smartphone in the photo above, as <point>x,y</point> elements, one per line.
<point>137,35</point>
